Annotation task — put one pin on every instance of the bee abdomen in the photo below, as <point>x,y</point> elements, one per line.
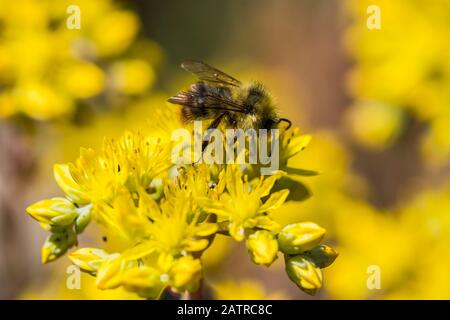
<point>196,101</point>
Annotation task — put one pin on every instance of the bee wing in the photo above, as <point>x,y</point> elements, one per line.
<point>207,101</point>
<point>207,73</point>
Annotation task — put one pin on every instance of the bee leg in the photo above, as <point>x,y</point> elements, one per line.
<point>213,125</point>
<point>287,121</point>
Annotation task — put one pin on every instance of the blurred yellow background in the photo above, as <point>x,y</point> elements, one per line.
<point>376,101</point>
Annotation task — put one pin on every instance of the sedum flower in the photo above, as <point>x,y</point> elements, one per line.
<point>241,207</point>
<point>160,218</point>
<point>68,68</point>
<point>168,232</point>
<point>134,160</point>
<point>144,157</point>
<point>93,176</point>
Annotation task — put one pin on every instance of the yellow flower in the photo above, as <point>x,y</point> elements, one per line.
<point>114,32</point>
<point>132,76</point>
<point>65,67</point>
<point>176,228</point>
<point>82,80</point>
<point>153,232</point>
<point>123,219</point>
<point>144,158</point>
<point>160,218</point>
<point>98,176</point>
<point>241,206</point>
<point>40,101</point>
<point>134,160</point>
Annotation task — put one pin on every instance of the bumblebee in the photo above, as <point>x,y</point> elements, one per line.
<point>226,101</point>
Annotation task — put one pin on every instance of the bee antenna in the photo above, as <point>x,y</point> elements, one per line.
<point>286,120</point>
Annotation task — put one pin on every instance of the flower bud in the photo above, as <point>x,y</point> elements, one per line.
<point>83,219</point>
<point>186,273</point>
<point>322,255</point>
<point>89,259</point>
<point>57,244</point>
<point>54,212</point>
<point>262,247</point>
<point>298,237</point>
<point>304,274</point>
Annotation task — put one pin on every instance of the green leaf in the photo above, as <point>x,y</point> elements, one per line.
<point>297,190</point>
<point>302,172</point>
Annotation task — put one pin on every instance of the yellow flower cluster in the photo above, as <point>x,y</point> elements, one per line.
<point>401,70</point>
<point>47,70</point>
<point>162,217</point>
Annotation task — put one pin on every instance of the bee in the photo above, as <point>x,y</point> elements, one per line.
<point>221,98</point>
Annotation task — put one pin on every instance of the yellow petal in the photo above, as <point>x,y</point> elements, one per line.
<point>275,200</point>
<point>145,281</point>
<point>297,144</point>
<point>205,229</point>
<point>89,259</point>
<point>234,182</point>
<point>267,184</point>
<point>266,223</point>
<point>66,182</point>
<point>212,206</point>
<point>108,275</point>
<point>196,245</point>
<point>139,251</point>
